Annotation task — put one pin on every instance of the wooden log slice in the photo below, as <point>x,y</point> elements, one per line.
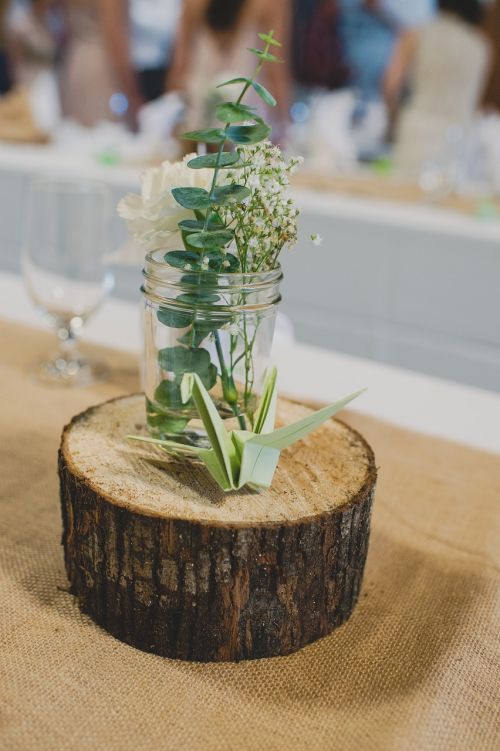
<point>164,560</point>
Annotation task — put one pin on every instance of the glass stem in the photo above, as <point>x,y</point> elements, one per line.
<point>68,343</point>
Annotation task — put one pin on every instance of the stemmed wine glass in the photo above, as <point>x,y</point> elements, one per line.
<point>66,243</point>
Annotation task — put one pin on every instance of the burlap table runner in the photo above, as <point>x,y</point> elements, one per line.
<point>415,667</point>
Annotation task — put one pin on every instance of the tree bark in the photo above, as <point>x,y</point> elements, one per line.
<point>166,562</point>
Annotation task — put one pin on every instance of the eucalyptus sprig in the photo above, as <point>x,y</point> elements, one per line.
<point>208,233</point>
<point>207,236</point>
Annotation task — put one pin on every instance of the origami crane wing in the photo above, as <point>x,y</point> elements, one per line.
<point>222,459</point>
<point>265,416</point>
<point>284,437</point>
<point>260,453</point>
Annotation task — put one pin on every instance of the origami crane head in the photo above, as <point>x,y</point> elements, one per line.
<point>243,457</point>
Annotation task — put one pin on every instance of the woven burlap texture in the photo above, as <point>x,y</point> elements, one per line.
<point>414,668</point>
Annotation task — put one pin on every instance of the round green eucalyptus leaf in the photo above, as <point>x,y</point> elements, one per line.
<point>180,258</point>
<point>225,263</point>
<point>185,239</point>
<point>173,424</point>
<point>209,135</point>
<point>175,319</point>
<point>264,94</point>
<point>202,282</point>
<point>180,360</point>
<point>246,134</point>
<point>167,425</point>
<point>213,239</point>
<point>196,334</point>
<point>192,198</point>
<point>198,298</point>
<point>164,423</point>
<point>224,194</point>
<point>230,112</point>
<point>168,393</point>
<point>196,279</point>
<point>198,225</point>
<point>209,377</point>
<point>240,79</point>
<point>210,161</point>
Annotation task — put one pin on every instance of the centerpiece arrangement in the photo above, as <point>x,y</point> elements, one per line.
<point>211,306</point>
<point>214,545</point>
<point>213,227</point>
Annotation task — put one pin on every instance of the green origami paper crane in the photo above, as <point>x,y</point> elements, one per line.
<point>242,457</point>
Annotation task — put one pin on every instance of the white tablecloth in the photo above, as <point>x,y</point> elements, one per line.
<point>419,402</point>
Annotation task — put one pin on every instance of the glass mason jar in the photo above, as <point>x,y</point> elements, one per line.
<point>218,325</point>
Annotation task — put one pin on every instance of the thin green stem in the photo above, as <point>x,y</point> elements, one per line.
<point>228,387</point>
<point>223,143</point>
<point>239,359</point>
<point>249,370</point>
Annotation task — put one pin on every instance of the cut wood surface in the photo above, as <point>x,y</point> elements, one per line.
<point>166,561</point>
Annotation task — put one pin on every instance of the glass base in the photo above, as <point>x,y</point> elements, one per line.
<point>71,371</point>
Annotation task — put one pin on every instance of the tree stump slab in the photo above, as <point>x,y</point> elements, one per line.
<point>164,560</point>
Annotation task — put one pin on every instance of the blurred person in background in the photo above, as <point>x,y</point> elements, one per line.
<point>4,63</point>
<point>369,31</point>
<point>447,63</point>
<point>34,30</point>
<point>117,57</point>
<point>86,76</point>
<point>492,29</point>
<point>317,55</point>
<point>140,37</point>
<point>212,47</point>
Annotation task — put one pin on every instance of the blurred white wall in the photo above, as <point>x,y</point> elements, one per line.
<point>411,286</point>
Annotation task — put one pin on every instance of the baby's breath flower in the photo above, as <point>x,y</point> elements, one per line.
<point>267,220</point>
<point>295,163</point>
<point>316,239</point>
<point>253,181</point>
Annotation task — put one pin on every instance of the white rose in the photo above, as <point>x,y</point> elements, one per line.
<point>152,217</point>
